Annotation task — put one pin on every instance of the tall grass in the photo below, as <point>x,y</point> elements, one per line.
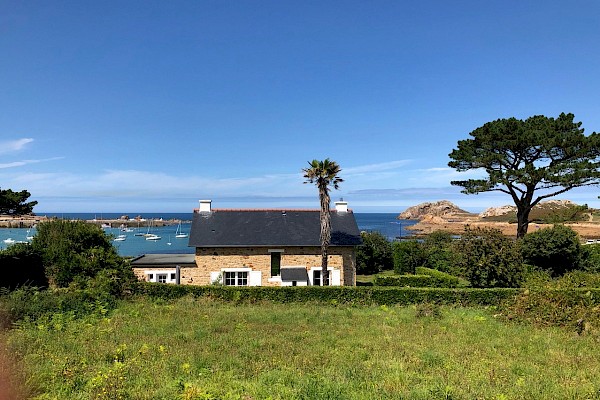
<point>202,349</point>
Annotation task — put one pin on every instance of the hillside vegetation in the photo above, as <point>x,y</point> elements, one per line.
<point>550,212</point>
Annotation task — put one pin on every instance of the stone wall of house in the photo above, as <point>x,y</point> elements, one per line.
<point>259,259</point>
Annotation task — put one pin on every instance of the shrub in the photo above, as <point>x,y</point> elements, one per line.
<point>489,259</point>
<point>75,252</point>
<point>408,255</point>
<point>555,249</point>
<point>22,266</point>
<point>590,258</point>
<point>441,279</point>
<point>374,255</point>
<point>574,308</point>
<point>29,303</point>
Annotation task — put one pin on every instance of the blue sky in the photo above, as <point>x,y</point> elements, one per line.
<point>141,106</point>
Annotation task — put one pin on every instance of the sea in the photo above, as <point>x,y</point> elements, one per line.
<point>385,223</point>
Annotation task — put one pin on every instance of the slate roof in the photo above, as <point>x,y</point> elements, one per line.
<point>163,260</point>
<point>274,228</point>
<point>298,274</point>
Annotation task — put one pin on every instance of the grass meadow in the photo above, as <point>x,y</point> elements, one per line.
<point>203,349</point>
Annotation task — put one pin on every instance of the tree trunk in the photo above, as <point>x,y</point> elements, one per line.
<point>522,221</point>
<point>325,217</point>
<point>324,270</point>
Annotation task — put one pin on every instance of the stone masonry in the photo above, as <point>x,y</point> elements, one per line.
<point>259,259</point>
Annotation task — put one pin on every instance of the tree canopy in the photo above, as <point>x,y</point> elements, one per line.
<point>540,155</point>
<point>15,203</point>
<point>75,251</point>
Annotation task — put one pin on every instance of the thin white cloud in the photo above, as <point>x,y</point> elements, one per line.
<point>386,166</point>
<point>26,162</point>
<point>9,146</point>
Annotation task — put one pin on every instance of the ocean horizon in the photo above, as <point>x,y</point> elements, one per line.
<point>385,223</point>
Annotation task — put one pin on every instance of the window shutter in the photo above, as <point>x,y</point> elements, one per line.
<point>255,278</point>
<point>334,276</point>
<point>214,276</point>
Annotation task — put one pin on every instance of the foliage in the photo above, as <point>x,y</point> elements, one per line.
<point>590,257</point>
<point>522,157</point>
<point>576,309</point>
<point>15,203</point>
<point>405,281</point>
<point>440,252</point>
<point>489,259</point>
<point>75,251</point>
<point>324,174</point>
<point>571,212</point>
<point>22,266</point>
<point>435,252</point>
<point>30,303</point>
<point>277,351</point>
<point>555,249</point>
<point>549,213</point>
<point>442,279</point>
<point>408,255</point>
<point>423,277</point>
<point>570,280</point>
<point>331,294</point>
<point>374,255</point>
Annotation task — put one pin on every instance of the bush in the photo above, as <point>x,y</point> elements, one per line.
<point>75,252</point>
<point>408,255</point>
<point>574,308</point>
<point>22,266</point>
<point>555,249</point>
<point>489,259</point>
<point>374,255</point>
<point>570,280</point>
<point>441,279</point>
<point>590,258</point>
<point>29,303</point>
<point>439,252</point>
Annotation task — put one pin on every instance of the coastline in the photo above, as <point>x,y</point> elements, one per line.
<point>7,221</point>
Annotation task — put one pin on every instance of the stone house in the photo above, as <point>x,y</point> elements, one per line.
<point>162,268</point>
<point>256,247</point>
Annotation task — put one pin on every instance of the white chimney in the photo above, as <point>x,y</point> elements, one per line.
<point>205,206</point>
<point>341,206</point>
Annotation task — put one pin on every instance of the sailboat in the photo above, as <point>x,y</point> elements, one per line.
<point>151,236</point>
<point>179,233</point>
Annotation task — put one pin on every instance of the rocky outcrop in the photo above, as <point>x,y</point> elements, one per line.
<point>443,209</point>
<point>498,211</point>
<point>547,205</point>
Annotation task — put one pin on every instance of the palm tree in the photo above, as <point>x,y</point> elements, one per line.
<point>323,174</point>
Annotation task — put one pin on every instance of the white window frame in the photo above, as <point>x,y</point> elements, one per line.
<point>254,277</point>
<point>237,277</point>
<point>334,276</point>
<point>153,275</point>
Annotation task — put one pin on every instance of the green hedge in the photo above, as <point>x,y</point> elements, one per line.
<point>332,295</point>
<point>420,280</point>
<point>440,279</point>
<point>423,277</point>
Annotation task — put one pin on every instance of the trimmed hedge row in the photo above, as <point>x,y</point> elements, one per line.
<point>332,295</point>
<point>441,279</point>
<point>423,277</point>
<point>417,280</point>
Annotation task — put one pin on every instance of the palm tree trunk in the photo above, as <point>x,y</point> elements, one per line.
<point>325,232</point>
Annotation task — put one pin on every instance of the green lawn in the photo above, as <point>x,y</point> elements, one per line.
<point>201,349</point>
